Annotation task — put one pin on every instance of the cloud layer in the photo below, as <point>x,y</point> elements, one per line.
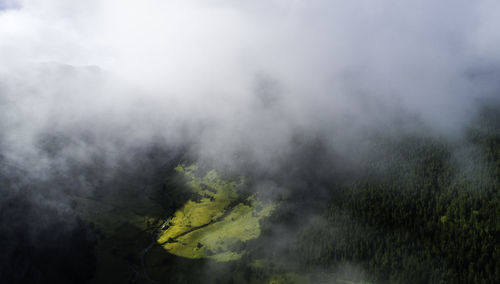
<point>236,77</point>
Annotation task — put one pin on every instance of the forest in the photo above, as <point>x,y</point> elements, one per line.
<point>419,215</point>
<point>417,209</point>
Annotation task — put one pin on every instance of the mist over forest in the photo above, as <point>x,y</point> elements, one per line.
<point>277,141</point>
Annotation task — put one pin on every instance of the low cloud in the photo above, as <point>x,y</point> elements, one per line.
<point>241,77</point>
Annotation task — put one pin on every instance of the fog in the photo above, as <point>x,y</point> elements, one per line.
<point>236,83</point>
<point>234,76</point>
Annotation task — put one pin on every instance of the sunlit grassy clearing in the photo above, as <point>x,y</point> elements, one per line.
<point>216,225</point>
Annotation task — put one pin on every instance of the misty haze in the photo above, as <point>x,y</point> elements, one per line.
<point>263,141</point>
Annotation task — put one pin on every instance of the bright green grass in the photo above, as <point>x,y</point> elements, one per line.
<point>216,225</point>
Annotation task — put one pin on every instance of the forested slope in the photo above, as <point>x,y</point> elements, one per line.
<point>428,212</point>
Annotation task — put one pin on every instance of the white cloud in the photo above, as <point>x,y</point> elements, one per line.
<point>194,67</point>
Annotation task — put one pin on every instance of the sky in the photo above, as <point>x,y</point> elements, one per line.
<point>233,77</point>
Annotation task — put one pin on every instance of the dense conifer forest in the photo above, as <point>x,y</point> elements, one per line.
<point>427,213</point>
